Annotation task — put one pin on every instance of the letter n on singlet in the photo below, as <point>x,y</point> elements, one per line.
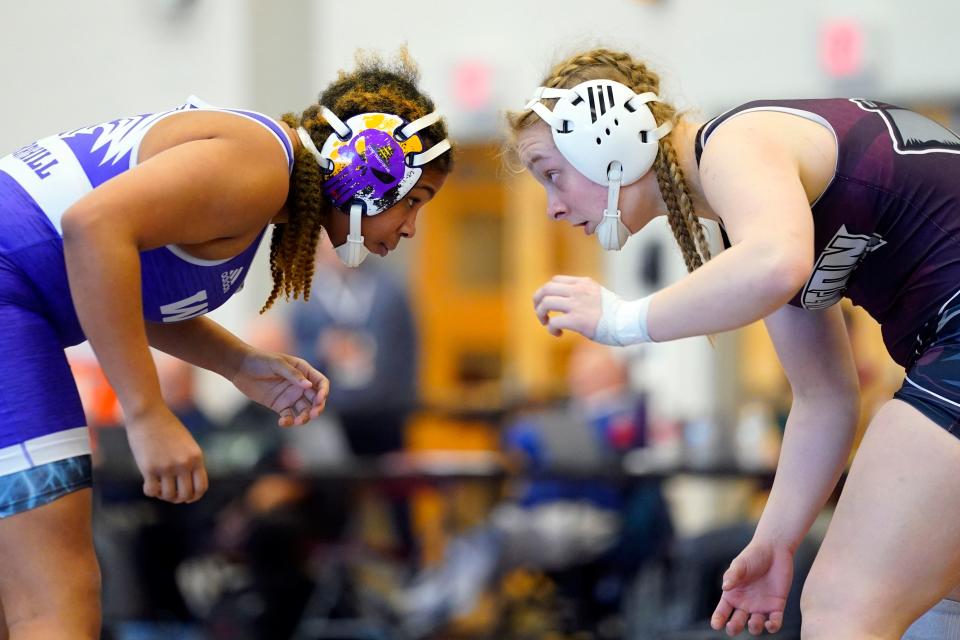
<point>837,262</point>
<point>195,305</point>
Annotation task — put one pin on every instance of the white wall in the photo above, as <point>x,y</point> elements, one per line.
<point>65,63</point>
<point>711,53</point>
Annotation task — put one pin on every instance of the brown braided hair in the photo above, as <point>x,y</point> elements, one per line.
<point>621,67</point>
<point>374,86</point>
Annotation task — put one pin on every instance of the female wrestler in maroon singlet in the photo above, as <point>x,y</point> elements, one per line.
<point>819,199</point>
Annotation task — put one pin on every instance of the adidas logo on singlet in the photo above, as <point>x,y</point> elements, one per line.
<point>228,278</point>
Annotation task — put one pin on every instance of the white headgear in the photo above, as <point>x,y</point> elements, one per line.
<point>608,133</point>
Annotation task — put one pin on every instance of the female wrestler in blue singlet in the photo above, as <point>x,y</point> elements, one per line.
<point>125,234</point>
<point>819,199</point>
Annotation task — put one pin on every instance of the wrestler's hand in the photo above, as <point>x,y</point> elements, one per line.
<point>168,457</point>
<point>575,303</point>
<point>286,384</point>
<point>755,589</point>
<point>582,305</point>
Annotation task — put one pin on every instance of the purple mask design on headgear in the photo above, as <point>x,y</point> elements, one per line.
<point>372,173</point>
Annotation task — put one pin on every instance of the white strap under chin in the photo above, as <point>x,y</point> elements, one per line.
<point>417,125</point>
<point>614,178</point>
<point>325,163</point>
<point>356,215</point>
<point>420,159</point>
<point>343,131</point>
<point>352,252</point>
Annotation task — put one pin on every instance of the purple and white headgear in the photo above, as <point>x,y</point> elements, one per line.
<point>372,160</point>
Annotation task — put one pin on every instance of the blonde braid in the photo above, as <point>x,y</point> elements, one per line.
<point>684,222</point>
<point>675,215</point>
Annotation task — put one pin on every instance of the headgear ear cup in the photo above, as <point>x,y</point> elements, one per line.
<point>608,133</point>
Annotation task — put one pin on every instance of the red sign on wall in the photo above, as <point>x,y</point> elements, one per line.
<point>842,44</point>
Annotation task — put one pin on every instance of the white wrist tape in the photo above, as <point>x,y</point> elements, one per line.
<point>622,322</point>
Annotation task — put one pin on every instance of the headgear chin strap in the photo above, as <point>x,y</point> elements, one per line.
<point>372,160</point>
<point>611,232</point>
<point>608,133</point>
